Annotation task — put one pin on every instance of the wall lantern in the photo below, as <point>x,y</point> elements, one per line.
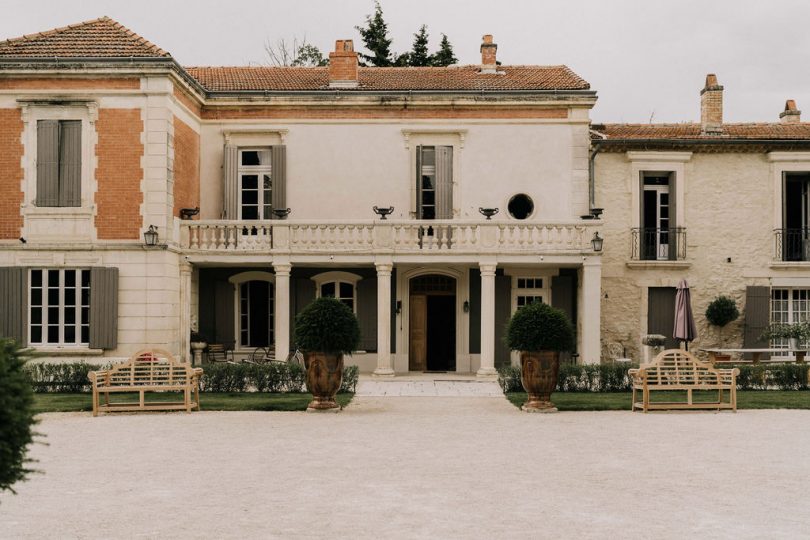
<point>150,237</point>
<point>597,242</point>
<point>466,306</point>
<point>399,307</point>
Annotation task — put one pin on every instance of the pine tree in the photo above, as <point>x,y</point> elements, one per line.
<point>419,53</point>
<point>444,56</point>
<point>375,37</point>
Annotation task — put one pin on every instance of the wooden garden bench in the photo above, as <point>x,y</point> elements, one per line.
<point>675,369</point>
<point>147,371</point>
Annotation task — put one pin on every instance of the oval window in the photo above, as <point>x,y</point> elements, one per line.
<point>520,206</point>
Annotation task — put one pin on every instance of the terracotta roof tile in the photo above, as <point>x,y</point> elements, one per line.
<point>692,131</point>
<point>99,38</point>
<point>374,78</point>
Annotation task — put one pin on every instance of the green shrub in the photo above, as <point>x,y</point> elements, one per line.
<point>721,311</point>
<point>59,377</point>
<point>16,415</point>
<point>539,327</point>
<point>349,383</point>
<point>327,325</point>
<point>575,378</point>
<point>788,376</point>
<point>799,331</point>
<point>294,377</point>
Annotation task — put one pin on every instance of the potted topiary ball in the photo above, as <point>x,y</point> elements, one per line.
<point>721,311</point>
<point>325,330</point>
<point>540,332</point>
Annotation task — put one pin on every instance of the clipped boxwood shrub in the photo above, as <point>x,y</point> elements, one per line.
<point>575,378</point>
<point>721,311</point>
<point>539,327</point>
<point>60,377</point>
<point>327,325</point>
<point>16,415</point>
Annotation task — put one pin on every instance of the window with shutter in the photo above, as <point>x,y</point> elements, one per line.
<point>434,182</point>
<point>59,163</point>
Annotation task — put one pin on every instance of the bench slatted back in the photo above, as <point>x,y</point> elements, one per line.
<point>153,367</point>
<point>678,367</point>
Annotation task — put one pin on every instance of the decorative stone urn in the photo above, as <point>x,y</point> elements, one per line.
<point>198,347</point>
<point>538,374</point>
<point>324,375</point>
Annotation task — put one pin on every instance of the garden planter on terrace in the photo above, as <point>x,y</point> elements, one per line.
<point>538,374</point>
<point>324,375</point>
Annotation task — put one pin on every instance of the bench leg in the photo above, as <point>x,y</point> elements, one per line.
<point>197,393</point>
<point>143,404</point>
<point>633,403</point>
<point>689,396</point>
<point>95,401</point>
<point>645,396</point>
<point>187,398</point>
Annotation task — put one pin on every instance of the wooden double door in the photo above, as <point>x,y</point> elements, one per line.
<point>432,325</point>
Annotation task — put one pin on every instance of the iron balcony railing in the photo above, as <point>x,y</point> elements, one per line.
<point>792,244</point>
<point>658,244</point>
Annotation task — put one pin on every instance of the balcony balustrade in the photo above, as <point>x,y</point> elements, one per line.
<point>792,244</point>
<point>649,244</point>
<point>414,236</point>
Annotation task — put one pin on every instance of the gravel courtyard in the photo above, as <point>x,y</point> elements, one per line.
<point>417,468</point>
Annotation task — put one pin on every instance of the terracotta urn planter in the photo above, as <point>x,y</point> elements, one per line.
<point>538,374</point>
<point>324,375</point>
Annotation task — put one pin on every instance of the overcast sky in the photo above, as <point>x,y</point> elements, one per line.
<point>645,58</point>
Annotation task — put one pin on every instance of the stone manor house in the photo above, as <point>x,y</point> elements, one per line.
<point>142,199</point>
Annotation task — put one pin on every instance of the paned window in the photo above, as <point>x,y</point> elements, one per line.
<point>342,290</point>
<point>789,306</point>
<point>528,290</point>
<point>255,184</point>
<point>59,307</point>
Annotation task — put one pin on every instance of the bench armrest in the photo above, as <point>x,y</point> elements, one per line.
<point>637,374</point>
<point>98,376</point>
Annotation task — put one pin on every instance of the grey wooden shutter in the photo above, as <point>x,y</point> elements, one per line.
<point>70,163</point>
<point>224,317</point>
<point>304,295</point>
<point>367,313</point>
<point>278,163</point>
<point>47,163</point>
<point>103,308</point>
<point>230,183</point>
<point>661,313</point>
<point>416,185</point>
<point>14,313</point>
<point>757,317</point>
<point>563,297</point>
<point>444,182</point>
<point>475,311</point>
<point>673,223</point>
<point>503,310</point>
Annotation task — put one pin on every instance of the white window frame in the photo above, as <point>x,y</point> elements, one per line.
<point>259,171</point>
<point>792,315</point>
<point>413,138</point>
<point>237,280</point>
<point>661,249</point>
<point>44,305</point>
<point>544,291</point>
<point>84,111</point>
<point>337,278</point>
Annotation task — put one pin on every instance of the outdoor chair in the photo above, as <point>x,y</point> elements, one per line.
<point>220,352</point>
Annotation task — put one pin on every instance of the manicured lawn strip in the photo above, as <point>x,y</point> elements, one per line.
<point>618,401</point>
<point>243,401</point>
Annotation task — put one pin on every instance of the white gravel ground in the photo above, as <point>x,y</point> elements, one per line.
<point>417,468</point>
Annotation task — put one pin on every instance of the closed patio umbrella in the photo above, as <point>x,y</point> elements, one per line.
<point>685,329</point>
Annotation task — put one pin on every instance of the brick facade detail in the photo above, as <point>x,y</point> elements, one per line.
<point>11,173</point>
<point>128,83</point>
<point>119,174</point>
<point>186,167</point>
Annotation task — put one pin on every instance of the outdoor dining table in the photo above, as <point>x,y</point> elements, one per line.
<point>755,353</point>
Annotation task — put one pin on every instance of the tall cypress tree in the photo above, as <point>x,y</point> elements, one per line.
<point>419,52</point>
<point>444,56</point>
<point>375,37</point>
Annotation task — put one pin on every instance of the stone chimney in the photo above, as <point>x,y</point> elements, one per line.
<point>711,106</point>
<point>791,115</point>
<point>343,65</point>
<point>489,52</point>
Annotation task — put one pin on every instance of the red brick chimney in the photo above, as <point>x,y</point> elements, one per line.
<point>489,52</point>
<point>343,65</point>
<point>711,106</point>
<point>791,115</point>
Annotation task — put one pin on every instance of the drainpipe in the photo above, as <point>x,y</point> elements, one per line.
<point>592,168</point>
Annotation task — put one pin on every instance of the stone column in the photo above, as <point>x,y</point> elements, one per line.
<point>185,312</point>
<point>590,310</point>
<point>281,313</point>
<point>385,367</point>
<point>487,368</point>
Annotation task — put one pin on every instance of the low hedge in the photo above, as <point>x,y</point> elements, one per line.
<point>614,378</point>
<point>271,377</point>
